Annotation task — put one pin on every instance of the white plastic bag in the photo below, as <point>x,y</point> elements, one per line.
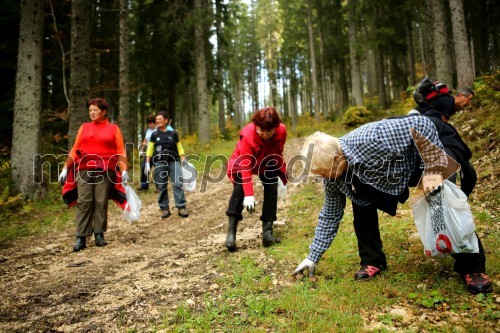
<point>445,223</point>
<point>132,210</point>
<point>281,189</point>
<point>189,175</point>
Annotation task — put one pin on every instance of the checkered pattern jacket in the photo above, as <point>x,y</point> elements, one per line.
<point>382,154</point>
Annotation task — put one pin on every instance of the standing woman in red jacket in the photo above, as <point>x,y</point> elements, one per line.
<point>258,152</point>
<point>97,165</point>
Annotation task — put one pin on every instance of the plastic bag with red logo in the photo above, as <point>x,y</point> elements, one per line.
<point>132,210</point>
<point>445,223</point>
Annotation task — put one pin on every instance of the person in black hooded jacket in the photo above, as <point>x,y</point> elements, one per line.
<point>439,111</point>
<point>471,266</point>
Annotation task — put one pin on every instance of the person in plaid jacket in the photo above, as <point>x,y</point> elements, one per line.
<point>373,166</point>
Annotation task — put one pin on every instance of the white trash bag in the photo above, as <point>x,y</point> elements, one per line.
<point>281,189</point>
<point>189,175</point>
<point>445,222</point>
<point>132,210</point>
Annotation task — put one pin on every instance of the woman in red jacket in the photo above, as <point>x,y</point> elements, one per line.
<point>258,152</point>
<point>97,154</point>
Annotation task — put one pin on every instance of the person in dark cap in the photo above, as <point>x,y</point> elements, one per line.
<point>471,266</point>
<point>447,104</point>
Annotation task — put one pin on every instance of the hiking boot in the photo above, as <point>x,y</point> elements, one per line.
<point>367,272</point>
<point>231,234</point>
<point>267,234</point>
<point>80,243</point>
<point>99,240</point>
<point>183,212</point>
<point>478,283</point>
<point>165,213</point>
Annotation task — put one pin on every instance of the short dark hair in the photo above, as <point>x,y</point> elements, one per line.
<point>150,119</point>
<point>99,102</point>
<point>266,118</point>
<point>466,91</point>
<point>162,113</point>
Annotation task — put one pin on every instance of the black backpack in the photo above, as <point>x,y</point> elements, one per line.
<point>428,90</point>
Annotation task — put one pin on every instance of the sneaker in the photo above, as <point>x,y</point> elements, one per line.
<point>183,212</point>
<point>478,283</point>
<point>165,213</point>
<point>367,272</point>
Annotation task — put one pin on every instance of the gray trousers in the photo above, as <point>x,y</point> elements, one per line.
<point>92,203</point>
<point>162,171</point>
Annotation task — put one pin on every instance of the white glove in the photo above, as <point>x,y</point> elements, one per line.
<point>125,177</point>
<point>305,264</point>
<point>249,203</point>
<point>147,168</point>
<point>281,189</point>
<point>62,176</point>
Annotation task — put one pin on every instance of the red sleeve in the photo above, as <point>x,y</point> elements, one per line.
<point>76,146</point>
<point>247,162</point>
<point>120,150</point>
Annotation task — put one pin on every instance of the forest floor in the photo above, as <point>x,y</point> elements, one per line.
<point>147,269</point>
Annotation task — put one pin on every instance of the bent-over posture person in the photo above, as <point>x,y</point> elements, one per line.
<point>373,166</point>
<point>258,152</point>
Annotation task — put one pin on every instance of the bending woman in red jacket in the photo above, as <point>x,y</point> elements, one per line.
<point>258,152</point>
<point>96,155</point>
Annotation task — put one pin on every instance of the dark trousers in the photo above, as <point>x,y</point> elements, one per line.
<point>468,176</point>
<point>367,231</point>
<point>270,183</point>
<point>144,178</point>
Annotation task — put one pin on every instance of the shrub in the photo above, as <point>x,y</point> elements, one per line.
<point>356,116</point>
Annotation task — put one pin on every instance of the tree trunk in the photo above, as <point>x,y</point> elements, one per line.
<point>79,82</point>
<point>220,68</point>
<point>380,71</point>
<point>444,70</point>
<point>465,72</point>
<point>124,99</point>
<point>314,81</point>
<point>25,159</point>
<point>356,88</point>
<point>428,32</point>
<point>410,52</point>
<point>201,74</point>
<point>238,100</point>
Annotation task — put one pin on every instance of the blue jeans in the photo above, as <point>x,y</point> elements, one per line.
<point>161,174</point>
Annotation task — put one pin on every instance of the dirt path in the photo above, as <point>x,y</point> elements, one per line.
<point>147,267</point>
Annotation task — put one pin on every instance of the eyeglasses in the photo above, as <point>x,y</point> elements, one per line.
<point>265,132</point>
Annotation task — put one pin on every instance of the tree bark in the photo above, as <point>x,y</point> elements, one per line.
<point>79,82</point>
<point>465,72</point>
<point>201,74</point>
<point>444,69</point>
<point>314,81</point>
<point>356,88</point>
<point>126,121</point>
<point>220,68</point>
<point>380,72</point>
<point>427,30</point>
<point>25,159</point>
<point>410,52</point>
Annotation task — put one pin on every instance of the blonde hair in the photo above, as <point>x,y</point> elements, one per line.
<point>324,149</point>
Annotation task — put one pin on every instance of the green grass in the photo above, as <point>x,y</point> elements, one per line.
<point>258,294</point>
<point>333,301</point>
<point>33,218</point>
